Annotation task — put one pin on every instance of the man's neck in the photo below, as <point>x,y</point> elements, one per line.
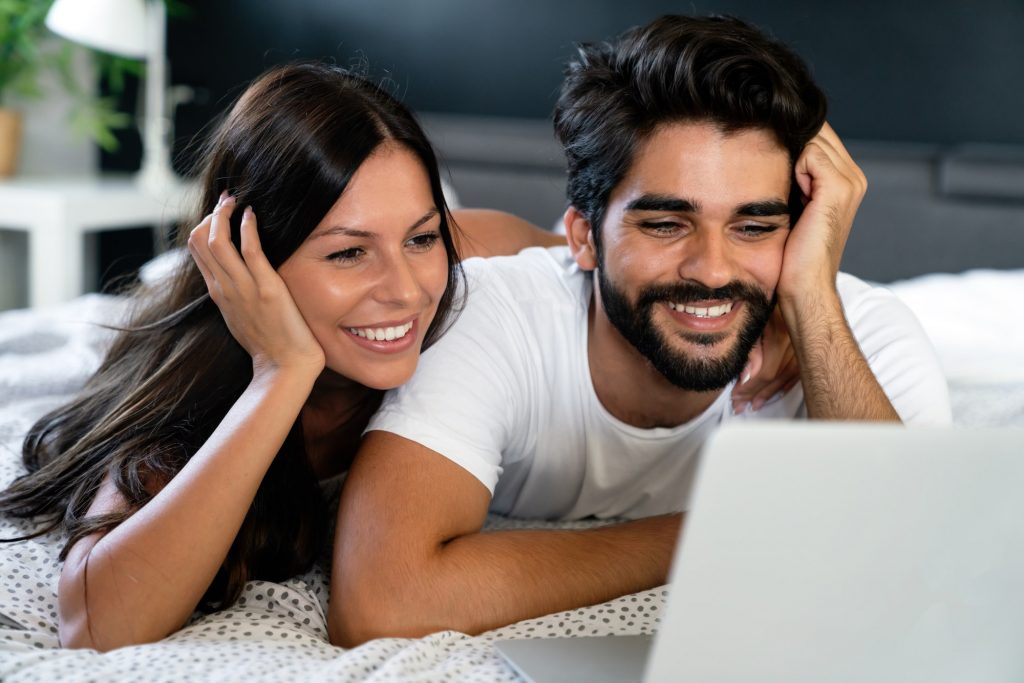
<point>629,387</point>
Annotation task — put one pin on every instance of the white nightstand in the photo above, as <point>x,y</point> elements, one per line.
<point>58,212</point>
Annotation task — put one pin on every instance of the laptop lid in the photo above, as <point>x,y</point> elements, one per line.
<point>843,552</point>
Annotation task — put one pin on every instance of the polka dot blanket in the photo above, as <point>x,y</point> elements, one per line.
<point>275,631</point>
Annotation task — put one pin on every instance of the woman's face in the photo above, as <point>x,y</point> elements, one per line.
<point>369,277</point>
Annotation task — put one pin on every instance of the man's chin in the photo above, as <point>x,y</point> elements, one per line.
<point>704,362</point>
<point>716,342</point>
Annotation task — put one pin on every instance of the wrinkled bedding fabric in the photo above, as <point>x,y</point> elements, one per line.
<point>277,631</point>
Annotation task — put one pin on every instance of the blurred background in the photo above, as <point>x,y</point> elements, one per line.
<point>928,95</point>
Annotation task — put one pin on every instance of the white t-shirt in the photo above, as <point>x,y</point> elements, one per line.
<point>507,394</point>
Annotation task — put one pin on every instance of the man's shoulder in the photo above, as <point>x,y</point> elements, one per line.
<point>531,260</point>
<point>535,273</point>
<point>866,301</point>
<point>852,288</point>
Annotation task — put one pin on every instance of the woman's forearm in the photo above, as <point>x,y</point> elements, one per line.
<point>143,579</point>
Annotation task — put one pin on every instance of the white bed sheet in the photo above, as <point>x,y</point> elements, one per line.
<point>278,631</point>
<point>275,632</point>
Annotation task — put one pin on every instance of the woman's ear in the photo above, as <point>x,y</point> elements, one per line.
<point>581,239</point>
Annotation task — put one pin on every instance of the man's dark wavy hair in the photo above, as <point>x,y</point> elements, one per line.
<point>677,69</point>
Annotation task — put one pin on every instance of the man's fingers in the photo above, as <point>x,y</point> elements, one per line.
<point>822,173</point>
<point>832,138</point>
<point>841,158</point>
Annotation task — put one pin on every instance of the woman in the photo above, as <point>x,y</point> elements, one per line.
<point>189,464</point>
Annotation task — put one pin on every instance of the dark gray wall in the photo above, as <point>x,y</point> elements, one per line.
<point>920,79</point>
<point>943,71</point>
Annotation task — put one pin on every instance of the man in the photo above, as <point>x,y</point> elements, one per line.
<point>705,190</point>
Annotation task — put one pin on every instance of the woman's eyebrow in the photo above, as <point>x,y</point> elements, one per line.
<point>342,230</point>
<point>423,219</point>
<point>366,234</point>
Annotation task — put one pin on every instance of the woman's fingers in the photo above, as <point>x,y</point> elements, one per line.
<point>198,247</point>
<point>252,250</point>
<point>221,248</point>
<point>772,365</point>
<point>785,378</point>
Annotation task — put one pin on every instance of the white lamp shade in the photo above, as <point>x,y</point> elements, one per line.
<point>115,26</point>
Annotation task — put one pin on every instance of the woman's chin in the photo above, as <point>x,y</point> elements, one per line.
<point>381,379</point>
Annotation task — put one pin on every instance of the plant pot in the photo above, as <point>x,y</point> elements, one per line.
<point>10,141</point>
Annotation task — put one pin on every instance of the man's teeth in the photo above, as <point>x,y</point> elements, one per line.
<point>705,312</point>
<point>382,333</point>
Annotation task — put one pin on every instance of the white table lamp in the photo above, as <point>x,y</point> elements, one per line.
<point>136,29</point>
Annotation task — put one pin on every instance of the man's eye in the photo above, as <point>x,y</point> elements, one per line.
<point>754,230</point>
<point>424,241</point>
<point>346,255</point>
<point>661,226</point>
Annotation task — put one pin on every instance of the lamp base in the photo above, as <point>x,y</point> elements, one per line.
<point>158,180</point>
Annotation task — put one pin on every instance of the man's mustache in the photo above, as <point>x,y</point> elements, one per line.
<point>684,292</point>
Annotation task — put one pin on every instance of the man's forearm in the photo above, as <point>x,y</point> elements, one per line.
<point>485,580</point>
<point>837,380</point>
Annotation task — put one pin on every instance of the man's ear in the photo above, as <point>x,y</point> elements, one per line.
<point>581,239</point>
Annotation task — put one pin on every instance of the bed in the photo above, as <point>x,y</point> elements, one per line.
<point>277,631</point>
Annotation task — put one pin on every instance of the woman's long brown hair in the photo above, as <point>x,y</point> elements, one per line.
<point>288,147</point>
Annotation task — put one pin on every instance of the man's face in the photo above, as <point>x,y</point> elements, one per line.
<point>692,247</point>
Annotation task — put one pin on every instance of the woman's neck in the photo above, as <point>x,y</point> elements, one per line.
<point>333,420</point>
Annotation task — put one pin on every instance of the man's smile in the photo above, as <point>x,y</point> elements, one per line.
<point>705,316</point>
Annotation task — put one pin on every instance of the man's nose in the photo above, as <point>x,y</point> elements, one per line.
<point>707,260</point>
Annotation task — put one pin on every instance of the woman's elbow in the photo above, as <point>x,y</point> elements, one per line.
<point>76,626</point>
<point>76,633</point>
<point>73,635</point>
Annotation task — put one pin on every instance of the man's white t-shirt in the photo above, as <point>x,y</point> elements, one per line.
<point>506,393</point>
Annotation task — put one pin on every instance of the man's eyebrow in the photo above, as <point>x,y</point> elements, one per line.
<point>771,207</point>
<point>663,202</point>
<point>365,234</point>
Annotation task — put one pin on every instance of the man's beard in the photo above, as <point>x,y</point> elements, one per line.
<point>635,322</point>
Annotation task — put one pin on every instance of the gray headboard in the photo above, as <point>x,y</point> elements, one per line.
<point>928,209</point>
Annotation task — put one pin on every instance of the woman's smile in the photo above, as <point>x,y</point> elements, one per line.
<point>391,337</point>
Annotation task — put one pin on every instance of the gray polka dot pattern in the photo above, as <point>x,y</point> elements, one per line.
<point>275,631</point>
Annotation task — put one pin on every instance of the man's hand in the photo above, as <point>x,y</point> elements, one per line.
<point>423,565</point>
<point>837,380</point>
<point>833,186</point>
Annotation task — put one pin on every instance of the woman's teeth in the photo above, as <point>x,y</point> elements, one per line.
<point>382,333</point>
<point>705,312</point>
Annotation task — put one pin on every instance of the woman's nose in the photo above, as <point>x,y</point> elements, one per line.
<point>398,283</point>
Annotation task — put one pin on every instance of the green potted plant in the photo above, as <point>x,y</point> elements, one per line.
<point>27,50</point>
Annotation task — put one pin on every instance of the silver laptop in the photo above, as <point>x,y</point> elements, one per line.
<point>832,552</point>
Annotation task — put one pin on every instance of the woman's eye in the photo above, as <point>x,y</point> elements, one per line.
<point>346,255</point>
<point>424,241</point>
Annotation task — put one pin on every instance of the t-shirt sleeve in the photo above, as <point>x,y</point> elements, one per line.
<point>466,397</point>
<point>900,355</point>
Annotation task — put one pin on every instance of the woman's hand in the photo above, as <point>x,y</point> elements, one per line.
<point>771,368</point>
<point>252,297</point>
